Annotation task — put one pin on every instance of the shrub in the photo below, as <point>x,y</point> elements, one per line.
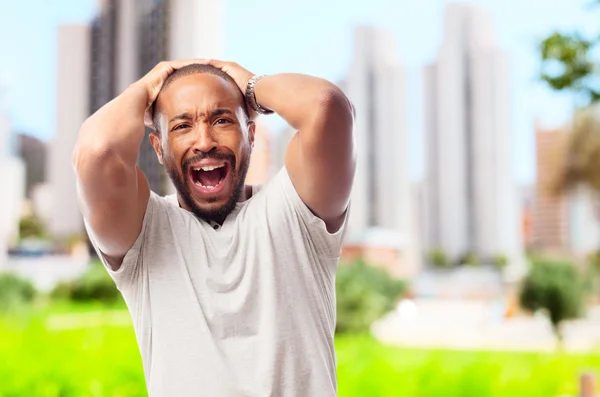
<point>439,259</point>
<point>15,291</point>
<point>500,261</point>
<point>555,287</point>
<point>364,294</point>
<point>31,227</point>
<point>468,259</point>
<point>94,285</point>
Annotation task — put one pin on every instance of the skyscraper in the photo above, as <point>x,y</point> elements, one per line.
<point>33,152</point>
<point>471,198</point>
<point>72,107</point>
<point>376,85</point>
<point>381,203</point>
<point>549,218</point>
<point>153,48</point>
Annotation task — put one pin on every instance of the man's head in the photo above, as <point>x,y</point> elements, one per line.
<point>204,137</point>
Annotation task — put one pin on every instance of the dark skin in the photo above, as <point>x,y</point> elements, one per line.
<point>200,115</point>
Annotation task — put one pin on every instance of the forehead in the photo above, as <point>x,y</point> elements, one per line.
<point>199,92</point>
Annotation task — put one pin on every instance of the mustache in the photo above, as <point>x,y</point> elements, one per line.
<point>210,155</point>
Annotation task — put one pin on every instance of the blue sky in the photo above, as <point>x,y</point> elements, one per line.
<point>309,36</point>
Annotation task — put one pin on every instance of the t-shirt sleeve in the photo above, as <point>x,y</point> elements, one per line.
<point>327,244</point>
<point>130,266</point>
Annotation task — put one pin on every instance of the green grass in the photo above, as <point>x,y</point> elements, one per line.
<point>368,368</point>
<point>98,357</point>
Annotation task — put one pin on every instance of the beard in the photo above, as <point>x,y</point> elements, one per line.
<point>238,178</point>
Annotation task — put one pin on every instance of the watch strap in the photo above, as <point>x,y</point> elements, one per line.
<point>251,96</point>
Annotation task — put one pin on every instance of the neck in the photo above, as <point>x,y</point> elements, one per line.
<point>245,195</point>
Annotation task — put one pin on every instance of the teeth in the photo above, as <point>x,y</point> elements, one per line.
<point>201,185</point>
<point>208,167</point>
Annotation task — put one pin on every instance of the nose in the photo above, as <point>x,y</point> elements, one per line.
<point>204,140</point>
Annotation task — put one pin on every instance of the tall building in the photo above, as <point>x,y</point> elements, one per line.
<point>153,48</point>
<point>260,170</point>
<point>72,107</point>
<point>583,233</point>
<point>471,197</point>
<point>376,86</point>
<point>381,202</point>
<point>550,210</point>
<point>33,152</point>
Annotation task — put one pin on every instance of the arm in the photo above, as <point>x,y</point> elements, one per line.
<point>113,192</point>
<point>320,159</point>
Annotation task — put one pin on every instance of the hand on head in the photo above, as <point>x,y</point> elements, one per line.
<point>155,78</point>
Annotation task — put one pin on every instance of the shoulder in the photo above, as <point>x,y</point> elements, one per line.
<point>280,205</point>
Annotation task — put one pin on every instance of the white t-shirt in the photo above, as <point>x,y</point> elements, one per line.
<point>242,309</point>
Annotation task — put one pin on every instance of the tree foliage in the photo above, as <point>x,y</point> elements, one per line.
<point>568,64</point>
<point>364,294</point>
<point>556,288</point>
<point>94,285</point>
<point>439,259</point>
<point>15,291</point>
<point>31,227</point>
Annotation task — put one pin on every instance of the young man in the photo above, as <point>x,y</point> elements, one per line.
<point>231,287</point>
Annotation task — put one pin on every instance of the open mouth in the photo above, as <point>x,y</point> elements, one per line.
<point>209,177</point>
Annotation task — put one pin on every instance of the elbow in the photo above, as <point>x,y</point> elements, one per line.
<point>90,154</point>
<point>333,103</point>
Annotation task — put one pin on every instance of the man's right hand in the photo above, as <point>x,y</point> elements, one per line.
<point>113,191</point>
<point>154,80</point>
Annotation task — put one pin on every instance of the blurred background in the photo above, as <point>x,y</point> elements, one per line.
<point>471,266</point>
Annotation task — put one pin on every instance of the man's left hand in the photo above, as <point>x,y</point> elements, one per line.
<point>237,73</point>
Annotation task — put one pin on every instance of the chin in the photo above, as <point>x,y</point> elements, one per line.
<point>210,187</point>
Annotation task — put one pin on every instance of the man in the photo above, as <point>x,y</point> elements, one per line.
<point>231,288</point>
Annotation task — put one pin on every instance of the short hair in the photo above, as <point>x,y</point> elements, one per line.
<point>188,70</point>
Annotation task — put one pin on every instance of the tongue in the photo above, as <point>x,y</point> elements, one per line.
<point>209,178</point>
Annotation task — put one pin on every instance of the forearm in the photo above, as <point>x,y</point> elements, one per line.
<point>299,99</point>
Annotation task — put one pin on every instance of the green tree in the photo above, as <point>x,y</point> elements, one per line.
<point>568,64</point>
<point>31,226</point>
<point>469,259</point>
<point>94,285</point>
<point>15,291</point>
<point>500,261</point>
<point>439,259</point>
<point>557,289</point>
<point>364,293</point>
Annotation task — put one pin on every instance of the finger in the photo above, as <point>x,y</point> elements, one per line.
<point>148,118</point>
<point>216,63</point>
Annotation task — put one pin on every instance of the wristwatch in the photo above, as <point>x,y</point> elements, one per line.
<point>251,97</point>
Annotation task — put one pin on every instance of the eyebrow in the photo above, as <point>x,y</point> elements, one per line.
<point>181,116</point>
<point>220,112</point>
<point>213,113</point>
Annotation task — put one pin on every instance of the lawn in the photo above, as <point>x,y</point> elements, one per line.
<point>90,351</point>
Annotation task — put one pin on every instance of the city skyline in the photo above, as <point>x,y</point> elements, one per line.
<point>328,42</point>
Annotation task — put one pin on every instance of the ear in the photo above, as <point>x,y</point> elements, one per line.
<point>251,132</point>
<point>156,144</point>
